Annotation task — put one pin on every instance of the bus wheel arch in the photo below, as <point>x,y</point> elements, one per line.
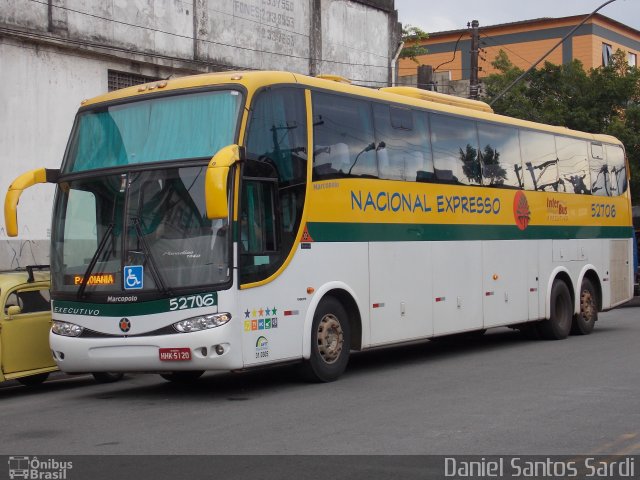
<point>335,330</point>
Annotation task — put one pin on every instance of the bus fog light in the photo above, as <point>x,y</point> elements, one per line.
<point>66,329</point>
<point>203,322</point>
<point>219,349</point>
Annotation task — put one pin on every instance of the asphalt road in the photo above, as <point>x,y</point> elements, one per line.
<point>499,394</point>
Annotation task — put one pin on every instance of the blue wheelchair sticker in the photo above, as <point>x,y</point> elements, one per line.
<point>133,275</point>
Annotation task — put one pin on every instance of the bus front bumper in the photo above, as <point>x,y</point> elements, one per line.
<point>214,349</point>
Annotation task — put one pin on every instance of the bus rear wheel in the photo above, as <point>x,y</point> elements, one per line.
<point>189,376</point>
<point>330,342</point>
<point>584,321</point>
<point>558,326</point>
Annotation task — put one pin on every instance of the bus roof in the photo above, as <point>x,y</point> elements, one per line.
<point>253,80</point>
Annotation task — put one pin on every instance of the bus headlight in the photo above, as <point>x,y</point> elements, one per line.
<point>66,329</point>
<point>202,322</point>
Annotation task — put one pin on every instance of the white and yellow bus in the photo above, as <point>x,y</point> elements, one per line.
<point>232,220</point>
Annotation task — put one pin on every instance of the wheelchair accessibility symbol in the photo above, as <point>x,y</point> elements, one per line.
<point>133,275</point>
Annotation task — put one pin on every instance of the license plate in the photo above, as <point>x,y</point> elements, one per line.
<point>175,354</point>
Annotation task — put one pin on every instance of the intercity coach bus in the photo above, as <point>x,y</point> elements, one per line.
<point>233,220</point>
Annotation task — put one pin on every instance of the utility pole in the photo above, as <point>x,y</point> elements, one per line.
<point>474,84</point>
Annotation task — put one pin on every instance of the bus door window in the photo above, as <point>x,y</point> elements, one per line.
<point>403,148</point>
<point>274,180</point>
<point>455,150</point>
<point>617,169</point>
<point>573,165</point>
<point>540,161</point>
<point>600,178</point>
<point>344,142</point>
<point>500,156</point>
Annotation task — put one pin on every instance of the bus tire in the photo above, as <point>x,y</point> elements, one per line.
<point>33,380</point>
<point>188,376</point>
<point>558,326</point>
<point>330,342</point>
<point>107,377</point>
<point>584,321</point>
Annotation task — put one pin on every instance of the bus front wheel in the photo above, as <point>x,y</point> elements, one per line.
<point>558,326</point>
<point>584,321</point>
<point>330,342</point>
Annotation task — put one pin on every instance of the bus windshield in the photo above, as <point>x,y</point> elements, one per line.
<point>137,232</point>
<point>159,129</point>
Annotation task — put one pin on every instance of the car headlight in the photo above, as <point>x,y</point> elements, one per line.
<point>66,329</point>
<point>202,322</point>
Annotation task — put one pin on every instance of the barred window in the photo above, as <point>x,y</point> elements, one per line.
<point>117,80</point>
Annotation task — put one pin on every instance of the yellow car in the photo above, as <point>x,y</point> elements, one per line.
<point>25,321</point>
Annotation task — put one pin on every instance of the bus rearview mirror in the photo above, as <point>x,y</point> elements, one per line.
<point>216,194</point>
<point>12,198</point>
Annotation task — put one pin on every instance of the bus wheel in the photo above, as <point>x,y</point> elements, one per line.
<point>107,377</point>
<point>330,342</point>
<point>584,322</point>
<point>189,376</point>
<point>33,380</point>
<point>558,326</point>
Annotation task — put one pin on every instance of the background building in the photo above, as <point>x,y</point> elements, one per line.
<point>55,53</point>
<point>524,42</point>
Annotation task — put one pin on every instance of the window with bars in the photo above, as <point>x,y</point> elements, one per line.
<point>117,80</point>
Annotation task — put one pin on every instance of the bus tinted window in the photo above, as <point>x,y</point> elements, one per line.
<point>343,137</point>
<point>539,161</point>
<point>403,149</point>
<point>278,133</point>
<point>573,164</point>
<point>455,149</point>
<point>500,156</point>
<point>617,169</point>
<point>600,179</point>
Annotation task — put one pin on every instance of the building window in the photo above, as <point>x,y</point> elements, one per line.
<point>607,52</point>
<point>632,59</point>
<point>117,80</point>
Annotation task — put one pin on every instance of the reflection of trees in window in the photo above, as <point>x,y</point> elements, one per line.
<point>492,171</point>
<point>470,164</point>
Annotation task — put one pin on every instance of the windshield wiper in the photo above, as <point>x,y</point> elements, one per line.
<point>155,271</point>
<point>94,260</point>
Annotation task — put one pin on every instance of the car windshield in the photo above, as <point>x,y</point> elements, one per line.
<point>137,232</point>
<point>176,127</point>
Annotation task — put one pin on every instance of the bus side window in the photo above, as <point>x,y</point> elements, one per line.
<point>573,165</point>
<point>617,169</point>
<point>455,150</point>
<point>500,156</point>
<point>339,122</point>
<point>540,161</point>
<point>403,148</point>
<point>600,179</point>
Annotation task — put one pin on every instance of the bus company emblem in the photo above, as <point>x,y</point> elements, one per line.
<point>125,325</point>
<point>521,210</point>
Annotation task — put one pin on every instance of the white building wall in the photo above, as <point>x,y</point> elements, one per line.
<point>53,57</point>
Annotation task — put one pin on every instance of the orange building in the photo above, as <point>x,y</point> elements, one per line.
<point>525,42</point>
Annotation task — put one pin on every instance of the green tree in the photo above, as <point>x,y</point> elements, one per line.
<point>412,36</point>
<point>601,100</point>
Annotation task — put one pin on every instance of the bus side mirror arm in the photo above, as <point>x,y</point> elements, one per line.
<point>216,194</point>
<point>12,198</point>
